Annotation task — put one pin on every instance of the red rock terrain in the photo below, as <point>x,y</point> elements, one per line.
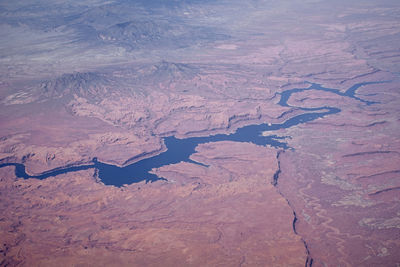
<point>226,214</point>
<point>108,80</point>
<point>342,181</point>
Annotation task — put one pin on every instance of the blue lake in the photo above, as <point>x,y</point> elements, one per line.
<point>180,149</point>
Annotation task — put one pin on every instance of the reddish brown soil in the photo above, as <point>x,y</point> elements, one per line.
<point>342,181</point>
<point>224,215</point>
<point>335,200</point>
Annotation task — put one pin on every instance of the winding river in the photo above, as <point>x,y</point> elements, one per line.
<point>180,149</point>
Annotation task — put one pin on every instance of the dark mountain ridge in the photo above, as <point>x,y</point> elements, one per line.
<point>90,85</point>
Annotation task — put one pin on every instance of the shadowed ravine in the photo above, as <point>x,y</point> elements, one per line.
<point>180,149</point>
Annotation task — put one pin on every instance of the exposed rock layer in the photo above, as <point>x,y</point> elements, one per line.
<point>220,215</point>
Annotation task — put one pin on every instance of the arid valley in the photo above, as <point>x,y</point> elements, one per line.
<point>200,133</point>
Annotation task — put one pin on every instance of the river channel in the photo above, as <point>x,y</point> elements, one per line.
<point>178,150</point>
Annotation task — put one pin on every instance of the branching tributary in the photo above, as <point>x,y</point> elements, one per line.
<point>178,150</point>
<point>283,102</point>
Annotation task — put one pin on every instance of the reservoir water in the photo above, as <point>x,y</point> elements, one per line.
<point>180,149</point>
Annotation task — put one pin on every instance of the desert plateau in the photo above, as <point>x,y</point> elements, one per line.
<point>200,133</point>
